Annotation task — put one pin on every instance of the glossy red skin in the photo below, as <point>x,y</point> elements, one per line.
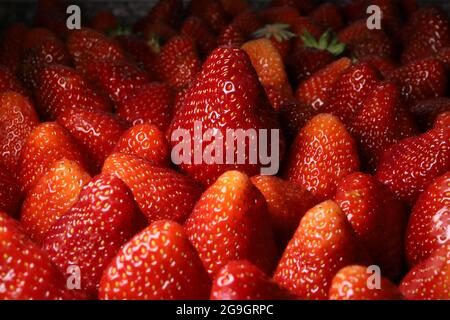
<point>172,195</point>
<point>62,88</point>
<point>442,120</point>
<point>159,263</point>
<point>17,120</point>
<point>153,104</point>
<point>421,79</point>
<point>429,222</point>
<point>426,111</point>
<point>241,280</point>
<point>379,220</point>
<point>199,31</point>
<point>231,36</point>
<point>230,222</point>
<point>9,82</point>
<point>47,143</point>
<point>18,253</point>
<point>429,279</point>
<point>293,118</point>
<point>247,21</point>
<point>92,231</point>
<point>10,194</point>
<point>96,131</point>
<point>35,36</point>
<point>322,154</point>
<point>350,91</point>
<point>11,46</point>
<point>350,283</point>
<point>147,142</point>
<point>444,56</point>
<point>383,65</point>
<point>323,241</point>
<point>407,167</point>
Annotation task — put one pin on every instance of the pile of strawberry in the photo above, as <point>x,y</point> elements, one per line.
<point>93,206</point>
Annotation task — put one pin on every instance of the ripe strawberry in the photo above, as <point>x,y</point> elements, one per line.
<point>444,56</point>
<point>269,67</point>
<point>315,90</point>
<point>10,195</point>
<point>199,31</point>
<point>61,88</point>
<point>34,37</point>
<point>157,263</point>
<point>286,204</point>
<point>244,234</point>
<point>303,6</point>
<point>280,36</point>
<point>293,118</point>
<point>147,142</point>
<point>428,279</point>
<point>26,271</point>
<point>166,11</point>
<point>328,16</point>
<point>234,7</point>
<point>11,46</point>
<point>407,167</point>
<point>152,104</point>
<point>241,280</point>
<point>421,79</point>
<point>9,82</point>
<point>231,36</point>
<point>322,154</point>
<point>350,91</point>
<point>351,283</point>
<point>46,144</point>
<point>378,219</point>
<point>426,111</point>
<point>305,61</point>
<point>248,22</point>
<point>98,132</point>
<point>385,66</point>
<point>429,223</point>
<point>442,120</point>
<point>82,238</point>
<point>211,11</point>
<point>104,20</point>
<point>172,195</point>
<point>54,193</point>
<point>225,95</point>
<point>355,10</point>
<point>323,241</point>
<point>17,121</point>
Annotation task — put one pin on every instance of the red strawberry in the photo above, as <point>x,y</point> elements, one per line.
<point>47,143</point>
<point>9,82</point>
<point>54,193</point>
<point>34,37</point>
<point>230,222</point>
<point>98,132</point>
<point>280,36</point>
<point>172,195</point>
<point>248,22</point>
<point>104,20</point>
<point>241,280</point>
<point>429,279</point>
<point>26,271</point>
<point>315,90</point>
<point>444,56</point>
<point>355,9</point>
<point>442,120</point>
<point>429,222</point>
<point>294,117</point>
<point>323,241</point>
<point>199,31</point>
<point>426,111</point>
<point>17,121</point>
<point>328,15</point>
<point>304,6</point>
<point>286,204</point>
<point>61,88</point>
<point>407,167</point>
<point>385,66</point>
<point>231,36</point>
<point>350,91</point>
<point>152,104</point>
<point>322,154</point>
<point>211,11</point>
<point>157,263</point>
<point>234,7</point>
<point>9,193</point>
<point>351,283</point>
<point>225,95</point>
<point>11,45</point>
<point>147,142</point>
<point>421,79</point>
<point>166,11</point>
<point>92,231</point>
<point>378,219</point>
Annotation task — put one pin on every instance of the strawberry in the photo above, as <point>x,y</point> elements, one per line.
<point>46,144</point>
<point>378,219</point>
<point>79,236</point>
<point>426,111</point>
<point>103,20</point>
<point>328,16</point>
<point>234,7</point>
<point>9,193</point>
<point>421,79</point>
<point>324,241</point>
<point>225,95</point>
<point>407,167</point>
<point>147,142</point>
<point>157,263</point>
<point>11,46</point>
<point>315,90</point>
<point>428,279</point>
<point>350,91</point>
<point>166,11</point>
<point>442,120</point>
<point>178,62</point>
<point>17,121</point>
<point>322,153</point>
<point>303,6</point>
<point>61,88</point>
<point>429,222</point>
<point>269,67</point>
<point>199,31</point>
<point>280,36</point>
<point>152,104</point>
<point>9,82</point>
<point>293,117</point>
<point>26,271</point>
<point>444,56</point>
<point>286,204</point>
<point>248,22</point>
<point>351,283</point>
<point>355,9</point>
<point>54,193</point>
<point>172,195</point>
<point>231,36</point>
<point>385,66</point>
<point>211,11</point>
<point>244,234</point>
<point>241,280</point>
<point>34,37</point>
<point>98,132</point>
